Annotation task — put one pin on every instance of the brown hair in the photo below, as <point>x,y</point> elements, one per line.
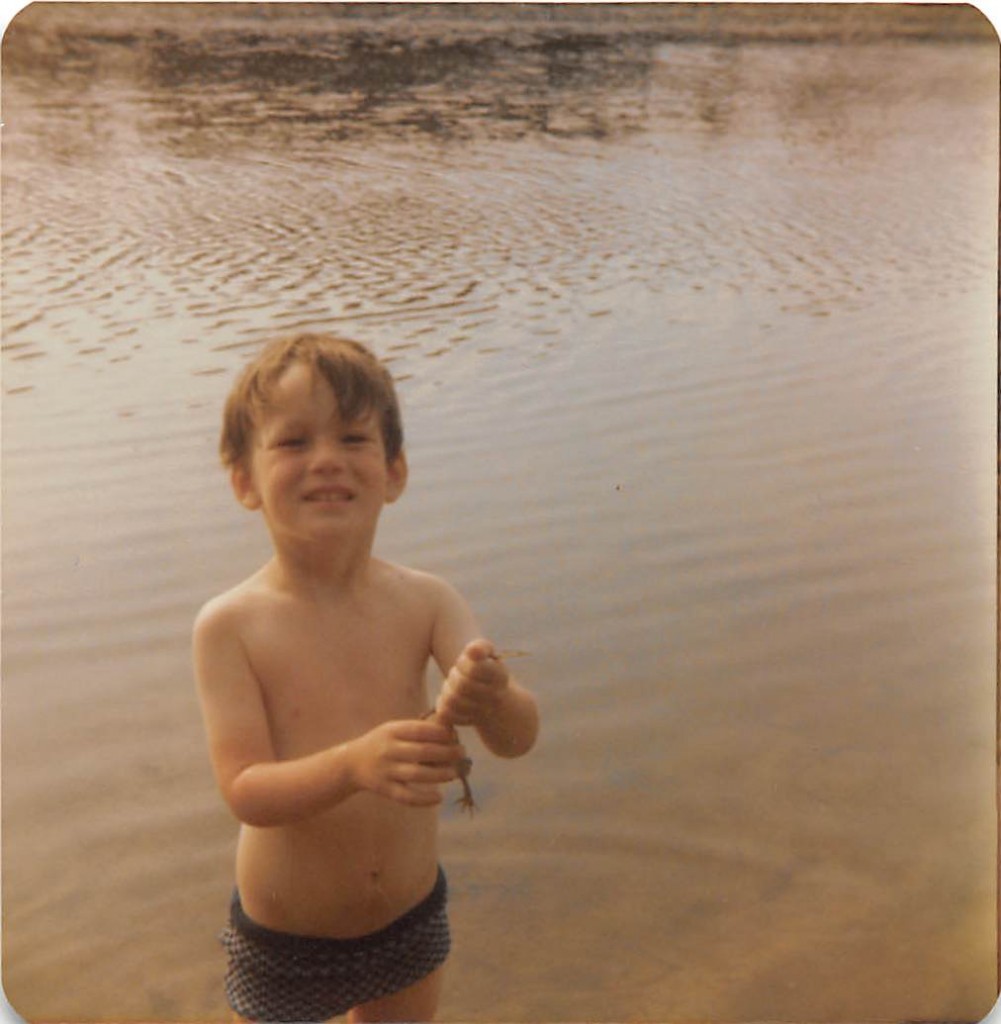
<point>360,382</point>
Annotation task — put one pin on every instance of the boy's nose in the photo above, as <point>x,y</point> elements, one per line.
<point>327,455</point>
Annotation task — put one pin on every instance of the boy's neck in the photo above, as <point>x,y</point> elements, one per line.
<point>310,572</point>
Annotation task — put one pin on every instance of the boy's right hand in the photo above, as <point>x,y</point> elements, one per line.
<point>407,761</point>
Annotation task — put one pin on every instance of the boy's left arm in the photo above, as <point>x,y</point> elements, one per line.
<point>478,689</point>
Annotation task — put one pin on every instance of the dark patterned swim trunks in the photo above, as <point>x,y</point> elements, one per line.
<point>280,977</point>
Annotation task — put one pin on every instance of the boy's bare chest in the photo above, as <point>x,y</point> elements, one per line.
<point>326,679</point>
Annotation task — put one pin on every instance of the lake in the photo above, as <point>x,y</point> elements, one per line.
<point>692,310</point>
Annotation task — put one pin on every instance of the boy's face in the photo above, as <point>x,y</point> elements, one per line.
<point>310,471</point>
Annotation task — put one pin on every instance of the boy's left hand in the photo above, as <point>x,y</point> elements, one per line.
<point>474,687</point>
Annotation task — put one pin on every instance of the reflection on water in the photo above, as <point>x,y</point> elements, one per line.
<point>691,309</point>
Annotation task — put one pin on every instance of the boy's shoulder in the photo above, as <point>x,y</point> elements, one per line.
<point>414,583</point>
<point>416,592</point>
<point>227,610</point>
<point>418,580</point>
<point>435,596</point>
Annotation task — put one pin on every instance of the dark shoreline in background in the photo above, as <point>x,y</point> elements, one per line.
<point>452,71</point>
<point>77,24</point>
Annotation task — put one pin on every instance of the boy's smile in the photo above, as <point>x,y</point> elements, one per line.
<point>329,495</point>
<point>310,468</point>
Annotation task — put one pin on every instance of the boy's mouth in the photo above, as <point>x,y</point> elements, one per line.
<point>329,495</point>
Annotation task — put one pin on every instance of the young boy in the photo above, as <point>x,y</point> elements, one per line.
<point>311,679</point>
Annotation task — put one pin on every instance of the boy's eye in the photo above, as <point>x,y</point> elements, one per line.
<point>355,439</point>
<point>291,442</point>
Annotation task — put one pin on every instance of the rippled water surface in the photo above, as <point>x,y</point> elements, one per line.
<point>692,310</point>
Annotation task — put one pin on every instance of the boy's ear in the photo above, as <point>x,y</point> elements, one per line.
<point>242,482</point>
<point>396,478</point>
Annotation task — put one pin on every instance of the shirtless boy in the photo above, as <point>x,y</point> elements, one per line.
<point>311,679</point>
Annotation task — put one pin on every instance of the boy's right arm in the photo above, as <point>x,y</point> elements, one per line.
<point>404,761</point>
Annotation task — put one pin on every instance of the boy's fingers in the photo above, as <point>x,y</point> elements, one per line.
<point>454,705</point>
<point>423,731</point>
<point>431,753</point>
<point>484,671</point>
<point>427,774</point>
<point>479,650</point>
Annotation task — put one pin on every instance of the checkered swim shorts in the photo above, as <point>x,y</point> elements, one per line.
<point>280,977</point>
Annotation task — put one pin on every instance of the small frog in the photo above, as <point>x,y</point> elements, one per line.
<point>465,766</point>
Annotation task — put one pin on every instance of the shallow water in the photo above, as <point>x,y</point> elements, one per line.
<point>692,314</point>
